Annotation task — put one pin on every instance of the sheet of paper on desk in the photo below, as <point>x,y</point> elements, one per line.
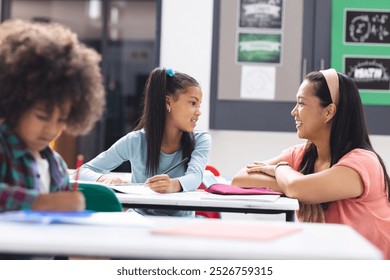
<point>83,218</point>
<point>263,198</point>
<point>113,219</point>
<point>131,188</point>
<point>230,230</point>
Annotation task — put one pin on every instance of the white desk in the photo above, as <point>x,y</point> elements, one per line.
<point>314,241</point>
<point>201,201</point>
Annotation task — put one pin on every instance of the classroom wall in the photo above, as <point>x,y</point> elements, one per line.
<point>231,149</point>
<point>186,34</point>
<point>234,149</point>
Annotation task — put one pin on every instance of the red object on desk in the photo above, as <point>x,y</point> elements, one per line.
<point>79,163</point>
<point>210,215</point>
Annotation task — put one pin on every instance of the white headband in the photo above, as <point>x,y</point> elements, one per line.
<point>332,79</point>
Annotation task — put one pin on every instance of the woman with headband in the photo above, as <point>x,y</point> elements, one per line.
<point>336,175</point>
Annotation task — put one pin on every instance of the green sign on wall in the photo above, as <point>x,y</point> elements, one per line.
<point>360,46</point>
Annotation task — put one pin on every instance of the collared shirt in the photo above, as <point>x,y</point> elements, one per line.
<point>19,178</point>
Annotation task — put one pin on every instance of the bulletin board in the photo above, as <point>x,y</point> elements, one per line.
<point>361,46</point>
<point>256,64</point>
<point>259,57</point>
<point>306,29</point>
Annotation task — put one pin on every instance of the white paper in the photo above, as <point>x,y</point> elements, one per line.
<point>258,82</point>
<point>132,188</point>
<point>209,179</point>
<point>81,218</point>
<point>262,198</point>
<point>112,219</point>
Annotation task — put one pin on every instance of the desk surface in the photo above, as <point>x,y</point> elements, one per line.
<point>313,241</point>
<point>203,201</point>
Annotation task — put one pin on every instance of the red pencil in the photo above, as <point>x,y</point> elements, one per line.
<point>79,163</point>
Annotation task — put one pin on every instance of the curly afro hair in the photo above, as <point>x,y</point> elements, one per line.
<point>46,63</point>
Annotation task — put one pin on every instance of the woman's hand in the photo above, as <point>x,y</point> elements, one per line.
<point>60,201</point>
<point>109,179</point>
<point>311,213</point>
<point>258,166</point>
<point>163,184</point>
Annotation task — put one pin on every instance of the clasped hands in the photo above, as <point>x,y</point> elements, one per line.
<point>310,213</point>
<point>258,166</point>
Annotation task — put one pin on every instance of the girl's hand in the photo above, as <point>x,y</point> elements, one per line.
<point>261,167</point>
<point>163,184</point>
<point>110,179</point>
<point>311,213</point>
<point>60,201</point>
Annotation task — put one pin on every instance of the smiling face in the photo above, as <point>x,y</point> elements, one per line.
<point>184,109</point>
<point>37,128</point>
<point>311,119</point>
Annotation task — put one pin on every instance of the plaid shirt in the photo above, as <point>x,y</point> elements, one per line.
<point>19,183</point>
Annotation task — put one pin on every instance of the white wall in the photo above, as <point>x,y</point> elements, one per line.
<point>186,45</point>
<point>186,34</point>
<point>234,149</point>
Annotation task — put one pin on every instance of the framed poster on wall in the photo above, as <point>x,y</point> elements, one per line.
<point>259,48</point>
<point>261,14</point>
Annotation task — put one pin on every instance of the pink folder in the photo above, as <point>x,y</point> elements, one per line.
<point>228,189</point>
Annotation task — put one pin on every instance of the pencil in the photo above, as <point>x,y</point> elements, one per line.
<point>176,165</point>
<point>79,163</point>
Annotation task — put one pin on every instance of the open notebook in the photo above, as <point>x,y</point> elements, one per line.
<point>76,217</point>
<point>128,187</point>
<point>131,188</point>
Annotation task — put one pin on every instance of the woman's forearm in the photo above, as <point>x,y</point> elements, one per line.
<point>245,180</point>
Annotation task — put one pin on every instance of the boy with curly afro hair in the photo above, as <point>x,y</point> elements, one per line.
<point>49,82</point>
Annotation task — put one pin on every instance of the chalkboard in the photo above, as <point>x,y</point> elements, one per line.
<point>261,13</point>
<point>236,113</point>
<point>369,73</point>
<point>363,27</point>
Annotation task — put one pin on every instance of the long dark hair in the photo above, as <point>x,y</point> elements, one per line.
<point>348,130</point>
<point>158,86</point>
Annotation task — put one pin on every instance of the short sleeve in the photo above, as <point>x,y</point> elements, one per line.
<point>294,155</point>
<point>367,165</point>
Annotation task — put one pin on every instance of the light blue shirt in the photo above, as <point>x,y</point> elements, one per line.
<point>132,147</point>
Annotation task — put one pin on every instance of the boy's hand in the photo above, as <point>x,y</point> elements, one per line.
<point>60,201</point>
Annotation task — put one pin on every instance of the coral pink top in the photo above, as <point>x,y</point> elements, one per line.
<point>368,214</point>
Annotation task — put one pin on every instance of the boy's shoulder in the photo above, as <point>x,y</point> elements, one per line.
<point>8,140</point>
